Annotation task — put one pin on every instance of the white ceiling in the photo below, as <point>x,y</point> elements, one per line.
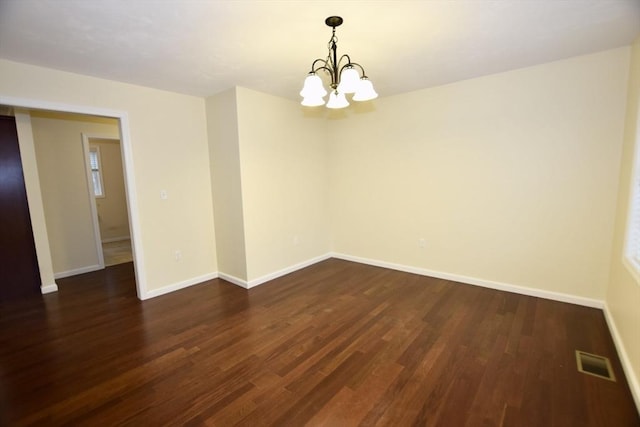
<point>202,47</point>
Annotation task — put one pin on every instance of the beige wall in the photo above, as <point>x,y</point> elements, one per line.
<point>284,183</point>
<point>34,198</point>
<point>65,191</point>
<point>510,178</point>
<point>222,124</point>
<point>501,175</point>
<point>167,133</point>
<point>112,208</point>
<point>269,176</point>
<point>623,293</point>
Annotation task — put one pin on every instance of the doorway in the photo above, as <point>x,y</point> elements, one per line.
<point>105,177</point>
<point>127,162</point>
<point>66,190</point>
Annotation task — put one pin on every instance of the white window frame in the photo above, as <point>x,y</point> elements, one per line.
<point>96,172</point>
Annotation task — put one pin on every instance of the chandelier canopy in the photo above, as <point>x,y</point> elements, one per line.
<point>346,77</point>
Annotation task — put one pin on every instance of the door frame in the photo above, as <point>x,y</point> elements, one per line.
<point>127,165</point>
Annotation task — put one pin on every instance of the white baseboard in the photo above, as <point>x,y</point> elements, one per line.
<point>234,280</point>
<point>47,289</point>
<point>271,276</point>
<point>285,271</point>
<point>76,271</point>
<point>556,296</point>
<point>629,372</point>
<point>115,239</point>
<point>180,285</point>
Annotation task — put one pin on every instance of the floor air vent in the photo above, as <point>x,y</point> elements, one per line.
<point>594,365</point>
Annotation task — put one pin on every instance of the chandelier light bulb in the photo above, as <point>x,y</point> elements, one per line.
<point>313,87</point>
<point>349,80</point>
<point>365,91</point>
<point>337,100</point>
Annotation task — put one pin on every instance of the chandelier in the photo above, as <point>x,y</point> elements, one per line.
<point>345,78</point>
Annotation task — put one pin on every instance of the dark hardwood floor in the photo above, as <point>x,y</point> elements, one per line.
<point>336,344</point>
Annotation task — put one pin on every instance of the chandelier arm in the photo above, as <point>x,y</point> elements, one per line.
<point>324,67</point>
<point>322,61</point>
<point>348,61</point>
<point>357,65</point>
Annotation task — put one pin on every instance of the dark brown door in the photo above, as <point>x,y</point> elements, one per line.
<point>19,273</point>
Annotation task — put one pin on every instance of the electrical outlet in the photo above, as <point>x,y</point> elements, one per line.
<point>422,243</point>
<point>296,240</point>
<point>178,255</point>
<point>164,195</point>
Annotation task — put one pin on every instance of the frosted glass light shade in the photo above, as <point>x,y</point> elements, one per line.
<point>313,87</point>
<point>337,100</point>
<point>312,101</point>
<point>349,80</point>
<point>365,91</point>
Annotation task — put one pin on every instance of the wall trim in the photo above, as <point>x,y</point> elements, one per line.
<point>180,285</point>
<point>76,271</point>
<point>540,293</point>
<point>47,289</point>
<point>233,280</point>
<point>627,367</point>
<point>271,276</point>
<point>287,270</point>
<point>115,239</point>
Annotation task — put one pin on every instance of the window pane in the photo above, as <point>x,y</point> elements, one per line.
<point>97,188</point>
<point>93,158</point>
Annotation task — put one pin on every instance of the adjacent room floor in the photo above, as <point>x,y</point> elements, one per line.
<point>335,344</point>
<point>117,252</point>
